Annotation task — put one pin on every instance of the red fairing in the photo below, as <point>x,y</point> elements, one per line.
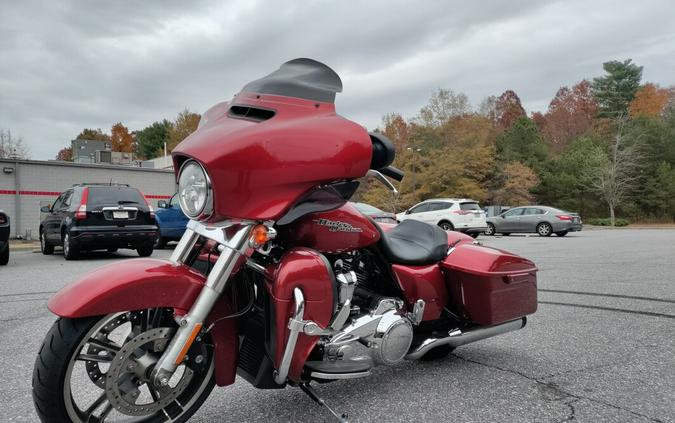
<point>308,270</point>
<point>148,283</point>
<point>335,231</point>
<point>490,286</point>
<point>259,168</point>
<point>423,283</point>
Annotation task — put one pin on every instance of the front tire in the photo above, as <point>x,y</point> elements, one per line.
<point>4,256</point>
<point>68,344</point>
<point>544,229</point>
<point>45,247</point>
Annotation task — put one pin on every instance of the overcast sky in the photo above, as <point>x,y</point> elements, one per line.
<point>83,64</point>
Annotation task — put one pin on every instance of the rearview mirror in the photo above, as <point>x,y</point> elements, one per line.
<point>162,204</point>
<point>45,209</point>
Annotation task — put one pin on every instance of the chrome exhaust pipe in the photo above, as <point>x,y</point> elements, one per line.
<point>456,337</point>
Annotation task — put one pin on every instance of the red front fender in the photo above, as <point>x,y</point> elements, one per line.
<point>149,283</point>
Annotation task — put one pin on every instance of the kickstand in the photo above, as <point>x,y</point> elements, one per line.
<point>315,396</point>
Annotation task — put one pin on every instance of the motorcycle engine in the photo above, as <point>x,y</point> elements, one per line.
<point>376,321</point>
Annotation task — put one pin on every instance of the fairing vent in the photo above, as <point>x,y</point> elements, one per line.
<point>250,113</point>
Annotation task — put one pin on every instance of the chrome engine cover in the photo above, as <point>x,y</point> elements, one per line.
<point>386,331</point>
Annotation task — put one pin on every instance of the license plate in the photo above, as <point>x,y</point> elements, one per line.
<point>120,215</point>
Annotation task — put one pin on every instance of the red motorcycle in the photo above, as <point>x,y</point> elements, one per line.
<point>278,279</point>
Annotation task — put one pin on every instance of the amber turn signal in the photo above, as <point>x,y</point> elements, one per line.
<point>259,236</point>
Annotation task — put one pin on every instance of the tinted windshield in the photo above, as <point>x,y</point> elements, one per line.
<point>114,195</point>
<point>367,208</point>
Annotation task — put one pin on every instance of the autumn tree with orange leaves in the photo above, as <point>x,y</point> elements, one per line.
<point>649,101</point>
<point>120,138</point>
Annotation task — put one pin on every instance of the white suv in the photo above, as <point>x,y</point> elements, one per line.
<point>451,214</point>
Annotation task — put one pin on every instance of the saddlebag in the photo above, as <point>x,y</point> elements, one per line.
<point>489,286</point>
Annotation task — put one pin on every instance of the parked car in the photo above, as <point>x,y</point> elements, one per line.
<point>529,219</point>
<point>4,238</point>
<point>90,217</point>
<point>452,214</point>
<point>171,221</point>
<point>376,214</point>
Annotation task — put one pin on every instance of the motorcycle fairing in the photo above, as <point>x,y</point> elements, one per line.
<point>150,283</point>
<point>310,271</point>
<point>260,164</point>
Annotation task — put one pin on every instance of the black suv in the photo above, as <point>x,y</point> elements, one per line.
<point>4,238</point>
<point>90,217</point>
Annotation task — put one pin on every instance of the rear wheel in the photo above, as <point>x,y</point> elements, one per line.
<point>544,229</point>
<point>561,233</point>
<point>45,246</point>
<point>490,229</point>
<point>446,226</point>
<point>4,255</point>
<point>70,252</point>
<point>145,250</point>
<point>98,369</point>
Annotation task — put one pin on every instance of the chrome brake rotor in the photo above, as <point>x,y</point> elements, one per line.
<point>93,367</point>
<point>130,370</point>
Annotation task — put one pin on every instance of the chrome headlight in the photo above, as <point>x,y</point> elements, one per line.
<point>194,190</point>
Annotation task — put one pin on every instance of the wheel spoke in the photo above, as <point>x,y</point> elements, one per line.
<point>89,412</point>
<point>109,346</point>
<point>94,357</point>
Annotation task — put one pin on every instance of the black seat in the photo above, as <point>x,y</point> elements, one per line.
<point>415,243</point>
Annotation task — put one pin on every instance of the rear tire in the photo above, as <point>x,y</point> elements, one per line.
<point>437,353</point>
<point>145,250</point>
<point>446,226</point>
<point>544,229</point>
<point>53,368</point>
<point>70,252</point>
<point>160,243</point>
<point>45,246</point>
<point>561,233</point>
<point>490,231</point>
<point>4,256</point>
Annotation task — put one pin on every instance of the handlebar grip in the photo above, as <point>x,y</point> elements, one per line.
<point>392,172</point>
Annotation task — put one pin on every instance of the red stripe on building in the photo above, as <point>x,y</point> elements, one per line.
<point>57,193</point>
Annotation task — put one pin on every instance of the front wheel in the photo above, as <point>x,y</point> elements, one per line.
<point>446,226</point>
<point>45,246</point>
<point>98,369</point>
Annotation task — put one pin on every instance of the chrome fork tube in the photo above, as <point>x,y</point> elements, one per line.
<point>190,324</point>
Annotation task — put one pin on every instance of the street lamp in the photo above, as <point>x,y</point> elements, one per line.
<point>414,150</point>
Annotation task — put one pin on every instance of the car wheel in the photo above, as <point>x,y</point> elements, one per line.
<point>160,243</point>
<point>4,256</point>
<point>45,247</point>
<point>474,234</point>
<point>70,252</point>
<point>561,233</point>
<point>544,229</point>
<point>446,226</point>
<point>490,229</point>
<point>145,250</point>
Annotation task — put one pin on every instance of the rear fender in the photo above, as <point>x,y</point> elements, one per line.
<point>149,283</point>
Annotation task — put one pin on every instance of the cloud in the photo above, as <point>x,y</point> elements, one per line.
<point>67,66</point>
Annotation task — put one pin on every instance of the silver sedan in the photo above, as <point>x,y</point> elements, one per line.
<point>530,219</point>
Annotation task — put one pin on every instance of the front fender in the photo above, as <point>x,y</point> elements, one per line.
<point>150,283</point>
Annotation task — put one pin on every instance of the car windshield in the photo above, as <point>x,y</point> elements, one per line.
<point>114,195</point>
<point>367,208</point>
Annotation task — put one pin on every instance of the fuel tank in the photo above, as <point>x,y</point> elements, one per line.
<point>334,231</point>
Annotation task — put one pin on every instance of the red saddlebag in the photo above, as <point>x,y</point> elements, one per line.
<point>490,286</point>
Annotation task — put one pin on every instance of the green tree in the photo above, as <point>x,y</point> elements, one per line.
<point>151,139</point>
<point>615,91</point>
<point>522,143</point>
<point>186,123</point>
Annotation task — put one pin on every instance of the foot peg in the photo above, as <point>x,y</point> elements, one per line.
<point>342,418</point>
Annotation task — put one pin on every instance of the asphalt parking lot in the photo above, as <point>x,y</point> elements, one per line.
<point>601,347</point>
